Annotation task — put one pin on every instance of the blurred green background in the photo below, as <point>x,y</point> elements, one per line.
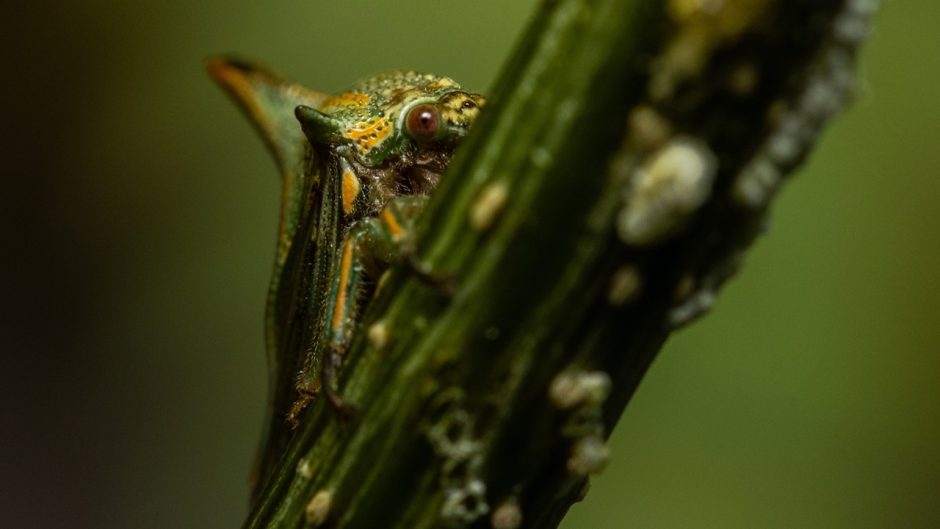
<point>140,219</point>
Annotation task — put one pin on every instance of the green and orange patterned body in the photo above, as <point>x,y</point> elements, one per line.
<point>356,169</point>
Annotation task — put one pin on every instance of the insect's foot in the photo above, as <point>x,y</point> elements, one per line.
<point>445,284</point>
<point>293,416</point>
<point>344,409</point>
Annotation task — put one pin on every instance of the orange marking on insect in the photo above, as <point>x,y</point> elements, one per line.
<point>368,134</point>
<point>239,83</point>
<point>394,228</point>
<point>344,268</point>
<point>347,100</point>
<point>351,189</point>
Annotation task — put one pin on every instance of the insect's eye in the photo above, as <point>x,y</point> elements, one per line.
<point>423,122</point>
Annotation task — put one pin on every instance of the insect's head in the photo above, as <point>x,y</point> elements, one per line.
<point>391,114</point>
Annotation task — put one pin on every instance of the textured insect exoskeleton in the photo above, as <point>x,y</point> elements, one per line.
<point>356,170</point>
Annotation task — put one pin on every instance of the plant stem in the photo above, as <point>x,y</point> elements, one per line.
<point>626,160</point>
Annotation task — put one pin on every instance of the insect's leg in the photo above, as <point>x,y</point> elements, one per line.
<point>368,248</point>
<point>446,284</point>
<point>399,217</point>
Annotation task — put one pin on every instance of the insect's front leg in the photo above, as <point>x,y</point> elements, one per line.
<point>369,247</point>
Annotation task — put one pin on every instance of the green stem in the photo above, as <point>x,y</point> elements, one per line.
<point>496,403</point>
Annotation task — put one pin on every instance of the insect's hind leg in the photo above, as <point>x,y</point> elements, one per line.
<point>398,218</point>
<point>369,247</point>
<point>330,376</point>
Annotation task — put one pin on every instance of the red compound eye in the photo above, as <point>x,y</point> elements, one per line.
<point>423,122</point>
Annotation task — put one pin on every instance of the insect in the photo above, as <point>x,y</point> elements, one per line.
<point>356,171</point>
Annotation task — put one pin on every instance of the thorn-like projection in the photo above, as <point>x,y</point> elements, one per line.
<point>699,28</point>
<point>452,437</point>
<point>507,516</point>
<point>589,456</point>
<point>488,205</point>
<point>797,121</point>
<point>378,334</point>
<point>304,469</point>
<point>571,389</point>
<point>665,190</point>
<point>757,182</point>
<point>625,286</point>
<point>466,504</point>
<point>649,130</point>
<point>692,308</point>
<point>582,394</point>
<point>318,508</point>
